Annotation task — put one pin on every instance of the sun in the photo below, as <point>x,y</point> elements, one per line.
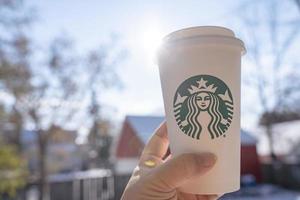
<point>151,39</point>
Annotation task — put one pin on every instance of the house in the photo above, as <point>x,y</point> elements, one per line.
<point>62,152</point>
<point>136,131</point>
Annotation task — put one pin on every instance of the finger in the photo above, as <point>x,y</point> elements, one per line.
<point>158,144</point>
<point>167,158</point>
<point>168,153</point>
<point>147,163</point>
<point>186,196</point>
<point>207,197</point>
<point>178,170</point>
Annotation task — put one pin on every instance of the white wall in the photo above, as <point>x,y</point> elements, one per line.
<point>125,165</point>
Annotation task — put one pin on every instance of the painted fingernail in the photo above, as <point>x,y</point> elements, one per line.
<point>149,163</point>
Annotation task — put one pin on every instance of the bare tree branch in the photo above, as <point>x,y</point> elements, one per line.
<point>268,48</point>
<point>298,4</point>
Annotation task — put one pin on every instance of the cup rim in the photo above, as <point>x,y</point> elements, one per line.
<point>205,34</point>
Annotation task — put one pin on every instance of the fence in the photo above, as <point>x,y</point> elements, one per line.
<point>120,184</point>
<point>88,185</point>
<point>283,174</point>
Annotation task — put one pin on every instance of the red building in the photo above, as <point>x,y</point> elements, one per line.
<point>136,131</point>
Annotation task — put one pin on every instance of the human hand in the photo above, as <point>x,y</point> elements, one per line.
<point>158,178</point>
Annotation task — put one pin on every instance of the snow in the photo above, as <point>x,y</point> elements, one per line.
<point>262,192</point>
<point>92,173</point>
<point>125,166</point>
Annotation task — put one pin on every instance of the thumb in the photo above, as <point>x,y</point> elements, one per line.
<point>179,169</point>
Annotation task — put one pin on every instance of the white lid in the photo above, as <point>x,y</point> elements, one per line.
<point>207,35</point>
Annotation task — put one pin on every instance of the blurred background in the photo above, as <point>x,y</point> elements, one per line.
<point>80,93</point>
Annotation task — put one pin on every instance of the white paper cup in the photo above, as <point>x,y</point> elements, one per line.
<point>200,72</point>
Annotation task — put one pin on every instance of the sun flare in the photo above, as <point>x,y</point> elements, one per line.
<point>151,40</point>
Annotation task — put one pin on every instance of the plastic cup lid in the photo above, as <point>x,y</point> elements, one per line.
<point>206,34</point>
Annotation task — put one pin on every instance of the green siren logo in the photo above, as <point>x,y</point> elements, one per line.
<point>203,103</point>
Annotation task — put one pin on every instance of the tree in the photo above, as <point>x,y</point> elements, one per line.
<point>12,171</point>
<point>14,53</point>
<point>49,85</point>
<point>270,34</point>
<point>101,75</point>
<point>278,116</point>
<point>100,140</point>
<point>298,4</point>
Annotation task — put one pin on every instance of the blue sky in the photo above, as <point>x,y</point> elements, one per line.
<point>139,24</point>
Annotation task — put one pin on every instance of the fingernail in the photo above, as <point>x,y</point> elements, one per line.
<point>150,163</point>
<point>207,159</point>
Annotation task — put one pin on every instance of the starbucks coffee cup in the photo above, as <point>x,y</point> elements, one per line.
<point>200,72</point>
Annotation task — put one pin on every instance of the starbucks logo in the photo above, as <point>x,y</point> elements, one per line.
<point>203,103</point>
